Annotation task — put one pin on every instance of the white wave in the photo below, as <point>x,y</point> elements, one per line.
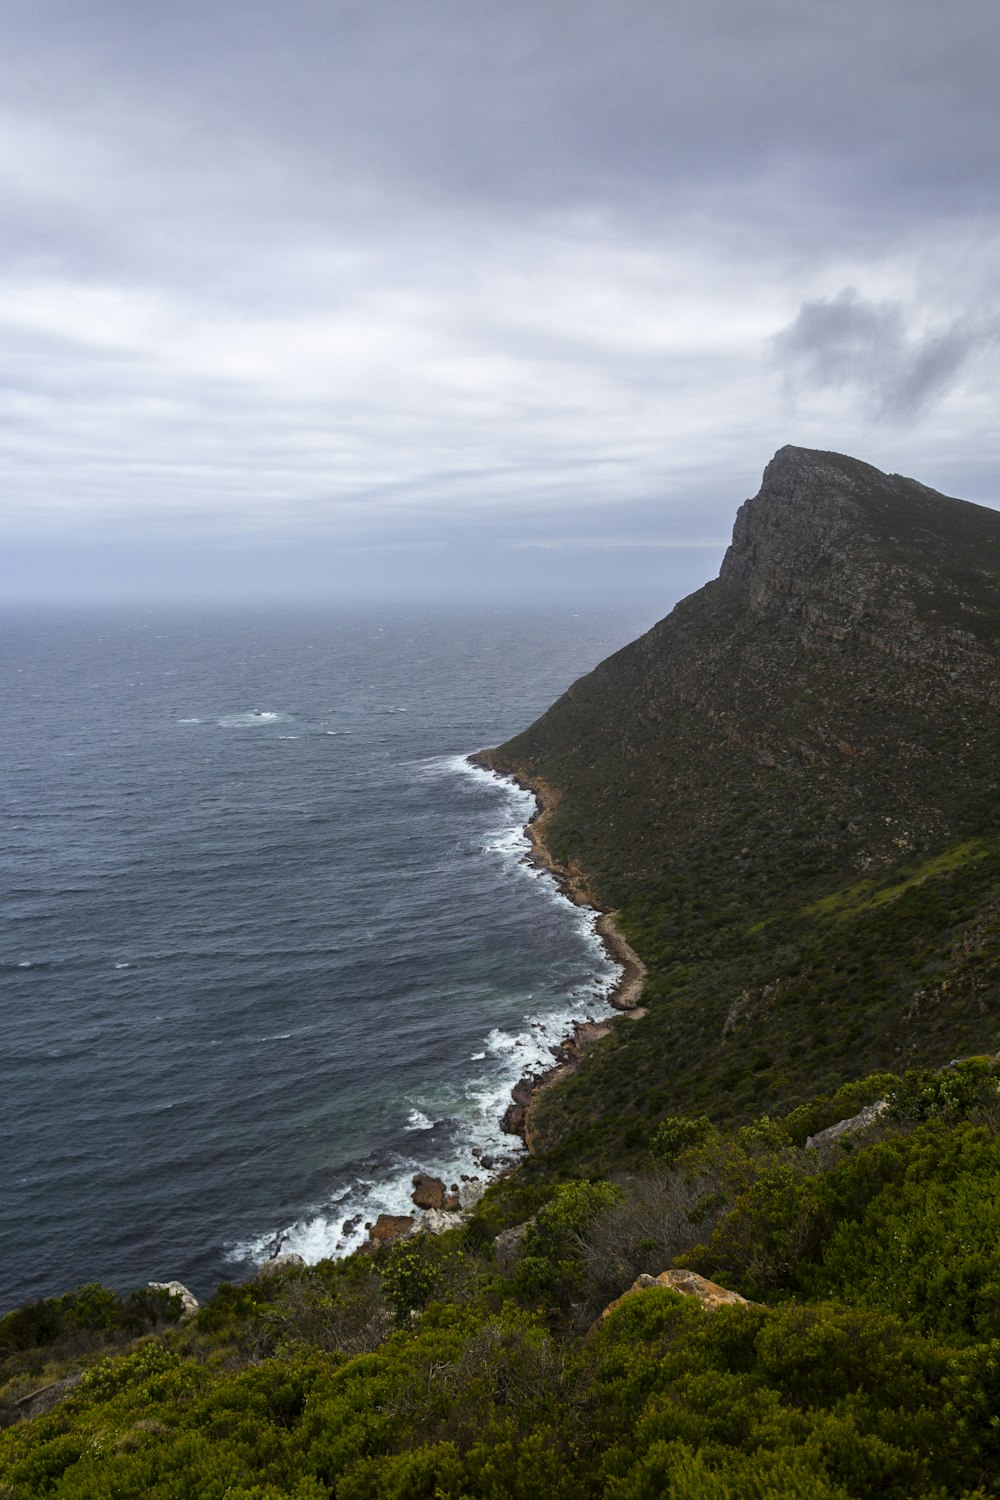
<point>252,718</point>
<point>189,721</point>
<point>417,1120</point>
<point>123,966</point>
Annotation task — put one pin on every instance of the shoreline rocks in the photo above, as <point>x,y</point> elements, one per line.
<point>573,883</point>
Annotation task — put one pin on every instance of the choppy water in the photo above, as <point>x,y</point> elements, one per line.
<point>268,944</point>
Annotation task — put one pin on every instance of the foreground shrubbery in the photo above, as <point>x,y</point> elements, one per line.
<point>873,1368</point>
<point>665,1399</point>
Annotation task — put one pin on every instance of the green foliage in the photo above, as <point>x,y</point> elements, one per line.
<point>550,1271</point>
<point>90,1310</point>
<point>676,1134</point>
<point>110,1376</point>
<point>953,1092</point>
<point>420,1270</point>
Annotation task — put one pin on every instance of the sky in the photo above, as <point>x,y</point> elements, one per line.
<point>478,298</point>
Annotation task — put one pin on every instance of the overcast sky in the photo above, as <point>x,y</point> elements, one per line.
<point>472,296</point>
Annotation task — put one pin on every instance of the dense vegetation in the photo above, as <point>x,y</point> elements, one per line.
<point>788,791</point>
<point>867,1363</point>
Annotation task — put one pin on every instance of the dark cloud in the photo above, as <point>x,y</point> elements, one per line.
<point>848,341</point>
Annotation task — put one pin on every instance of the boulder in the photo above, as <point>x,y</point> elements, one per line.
<point>387,1229</point>
<point>428,1192</point>
<point>436,1221</point>
<point>470,1192</point>
<point>860,1121</point>
<point>189,1303</point>
<point>708,1293</point>
<point>509,1245</point>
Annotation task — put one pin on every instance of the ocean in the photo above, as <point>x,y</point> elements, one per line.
<point>270,945</point>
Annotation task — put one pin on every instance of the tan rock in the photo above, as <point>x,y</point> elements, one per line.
<point>708,1293</point>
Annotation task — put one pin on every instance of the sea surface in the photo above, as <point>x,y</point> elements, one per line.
<point>269,943</point>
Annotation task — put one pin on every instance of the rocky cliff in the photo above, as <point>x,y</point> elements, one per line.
<point>774,778</point>
<point>836,686</point>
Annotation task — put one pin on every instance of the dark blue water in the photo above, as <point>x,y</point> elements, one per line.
<point>268,945</point>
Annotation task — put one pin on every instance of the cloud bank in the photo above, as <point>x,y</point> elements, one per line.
<point>374,284</point>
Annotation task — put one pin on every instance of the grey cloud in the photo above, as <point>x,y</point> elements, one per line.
<point>849,341</point>
<point>463,272</point>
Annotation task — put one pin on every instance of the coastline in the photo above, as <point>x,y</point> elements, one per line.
<point>573,883</point>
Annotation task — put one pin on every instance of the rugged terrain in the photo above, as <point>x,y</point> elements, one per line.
<point>753,1255</point>
<point>789,789</point>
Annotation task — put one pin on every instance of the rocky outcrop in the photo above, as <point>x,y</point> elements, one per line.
<point>508,1246</point>
<point>689,1283</point>
<point>189,1303</point>
<point>428,1192</point>
<point>386,1230</point>
<point>860,1121</point>
<point>437,1220</point>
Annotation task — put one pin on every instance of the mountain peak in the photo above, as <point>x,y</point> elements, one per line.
<point>836,541</point>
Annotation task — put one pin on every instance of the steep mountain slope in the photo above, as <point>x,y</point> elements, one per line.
<point>794,776</point>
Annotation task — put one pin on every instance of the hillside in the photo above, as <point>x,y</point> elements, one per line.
<point>753,1255</point>
<point>788,789</point>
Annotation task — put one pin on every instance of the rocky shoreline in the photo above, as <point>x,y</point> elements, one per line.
<point>574,885</point>
<point>436,1207</point>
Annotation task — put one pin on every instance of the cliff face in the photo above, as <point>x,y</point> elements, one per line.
<point>854,553</point>
<point>836,686</point>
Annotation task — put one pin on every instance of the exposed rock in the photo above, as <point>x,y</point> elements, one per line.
<point>568,1055</point>
<point>37,1402</point>
<point>189,1303</point>
<point>708,1293</point>
<point>386,1230</point>
<point>436,1221</point>
<point>283,1262</point>
<point>508,1246</point>
<point>428,1192</point>
<point>470,1193</point>
<point>863,1118</point>
<point>516,1112</point>
<point>452,1202</point>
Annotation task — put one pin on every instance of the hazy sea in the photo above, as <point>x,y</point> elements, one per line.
<point>269,945</point>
